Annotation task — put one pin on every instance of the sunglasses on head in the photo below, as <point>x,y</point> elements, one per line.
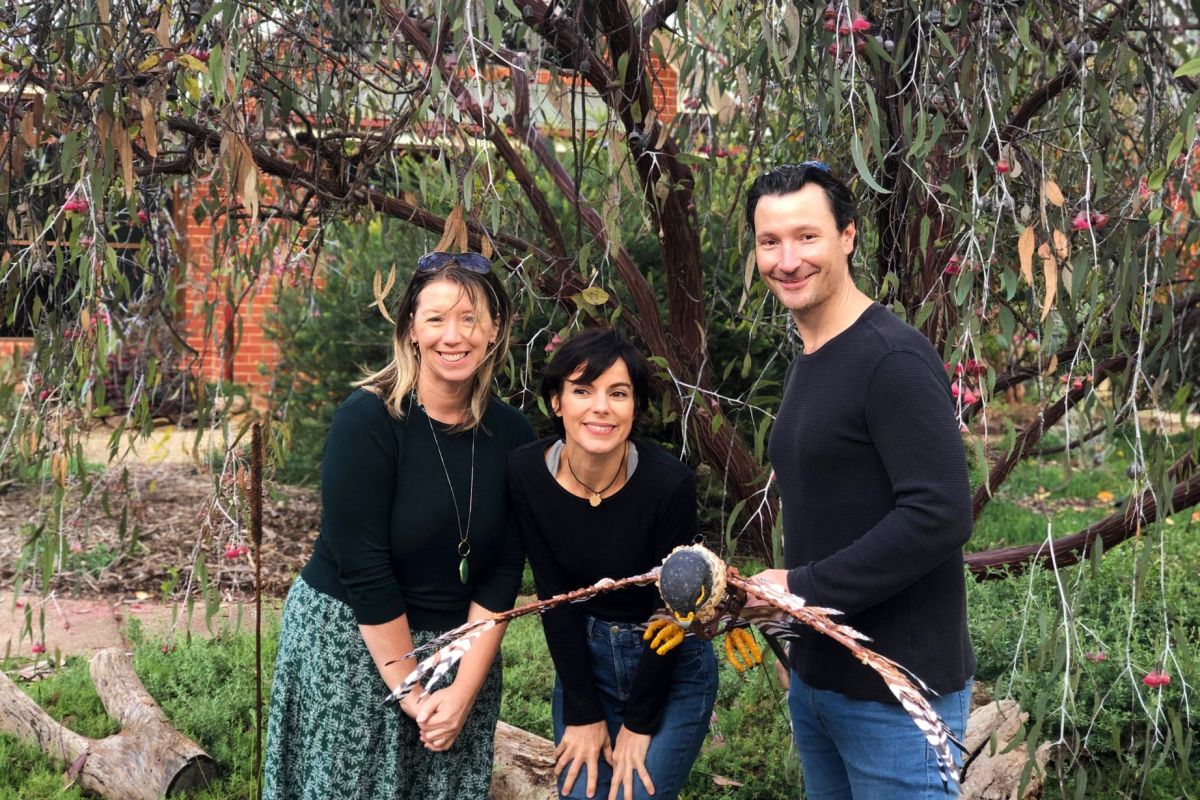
<point>821,165</point>
<point>437,261</point>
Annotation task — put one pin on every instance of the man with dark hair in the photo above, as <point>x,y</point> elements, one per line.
<point>876,502</point>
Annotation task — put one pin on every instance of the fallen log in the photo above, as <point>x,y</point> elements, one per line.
<point>991,773</point>
<point>524,766</point>
<point>146,760</point>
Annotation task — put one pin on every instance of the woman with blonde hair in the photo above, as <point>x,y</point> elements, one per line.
<point>417,537</point>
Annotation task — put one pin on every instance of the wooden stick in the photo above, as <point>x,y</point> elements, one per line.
<point>256,497</point>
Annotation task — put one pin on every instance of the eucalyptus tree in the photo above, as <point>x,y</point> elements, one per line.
<point>1024,172</point>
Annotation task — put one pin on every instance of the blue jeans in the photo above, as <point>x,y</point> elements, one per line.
<point>865,750</point>
<point>616,649</point>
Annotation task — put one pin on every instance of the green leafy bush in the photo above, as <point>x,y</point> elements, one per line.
<point>1073,646</point>
<point>327,335</point>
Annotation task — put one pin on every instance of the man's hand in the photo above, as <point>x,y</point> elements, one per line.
<point>629,756</point>
<point>778,577</point>
<point>582,745</point>
<point>441,716</point>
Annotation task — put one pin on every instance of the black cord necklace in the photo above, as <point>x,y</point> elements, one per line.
<point>595,497</point>
<point>464,541</point>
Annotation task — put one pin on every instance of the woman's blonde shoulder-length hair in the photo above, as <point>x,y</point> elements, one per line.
<point>395,382</point>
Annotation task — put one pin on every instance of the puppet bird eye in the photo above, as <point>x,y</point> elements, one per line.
<point>700,599</point>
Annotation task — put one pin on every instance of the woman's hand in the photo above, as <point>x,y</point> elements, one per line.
<point>629,756</point>
<point>582,745</point>
<point>410,705</point>
<point>441,716</point>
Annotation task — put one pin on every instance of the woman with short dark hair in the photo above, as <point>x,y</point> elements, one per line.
<point>417,537</point>
<point>594,502</point>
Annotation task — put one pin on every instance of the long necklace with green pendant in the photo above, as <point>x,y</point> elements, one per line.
<point>464,541</point>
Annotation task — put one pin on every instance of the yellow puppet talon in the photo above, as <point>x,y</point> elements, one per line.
<point>653,627</point>
<point>731,654</point>
<point>741,650</point>
<point>665,635</point>
<point>670,642</point>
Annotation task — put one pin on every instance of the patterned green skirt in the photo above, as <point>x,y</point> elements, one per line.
<point>329,737</point>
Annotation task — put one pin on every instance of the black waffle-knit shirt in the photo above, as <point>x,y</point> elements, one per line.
<point>876,505</point>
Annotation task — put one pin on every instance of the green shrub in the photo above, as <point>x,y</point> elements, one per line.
<point>750,741</point>
<point>327,335</point>
<point>528,677</point>
<point>1079,672</point>
<point>205,687</point>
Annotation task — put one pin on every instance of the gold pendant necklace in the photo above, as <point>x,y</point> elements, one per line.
<point>595,498</point>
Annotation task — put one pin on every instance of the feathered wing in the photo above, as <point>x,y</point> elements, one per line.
<point>449,648</point>
<point>785,606</point>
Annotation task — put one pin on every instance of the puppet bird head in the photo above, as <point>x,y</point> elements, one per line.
<point>692,583</point>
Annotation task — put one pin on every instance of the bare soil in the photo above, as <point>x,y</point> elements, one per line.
<point>142,539</point>
<point>130,542</point>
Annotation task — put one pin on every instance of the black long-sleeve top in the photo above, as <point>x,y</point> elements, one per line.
<point>389,542</point>
<point>571,545</point>
<point>877,506</point>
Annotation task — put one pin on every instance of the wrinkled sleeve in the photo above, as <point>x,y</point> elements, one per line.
<point>498,590</point>
<point>358,475</point>
<point>675,525</point>
<point>910,418</point>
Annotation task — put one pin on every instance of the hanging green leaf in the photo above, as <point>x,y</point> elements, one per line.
<point>864,171</point>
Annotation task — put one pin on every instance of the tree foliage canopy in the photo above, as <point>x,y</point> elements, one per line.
<point>1024,172</point>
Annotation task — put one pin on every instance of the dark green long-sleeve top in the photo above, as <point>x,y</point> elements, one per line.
<point>389,542</point>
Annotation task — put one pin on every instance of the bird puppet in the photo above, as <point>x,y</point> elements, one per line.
<point>704,597</point>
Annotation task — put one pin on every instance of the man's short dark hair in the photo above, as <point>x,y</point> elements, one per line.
<point>789,178</point>
<point>596,349</point>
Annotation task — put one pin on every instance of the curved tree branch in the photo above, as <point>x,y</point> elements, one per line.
<point>1033,433</point>
<point>1015,126</point>
<point>1186,317</point>
<point>667,182</point>
<point>331,190</point>
<point>1112,530</point>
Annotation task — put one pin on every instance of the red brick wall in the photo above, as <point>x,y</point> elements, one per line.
<point>9,346</point>
<point>665,87</point>
<point>202,284</point>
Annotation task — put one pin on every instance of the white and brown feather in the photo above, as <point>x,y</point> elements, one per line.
<point>780,618</point>
<point>449,648</point>
<point>931,725</point>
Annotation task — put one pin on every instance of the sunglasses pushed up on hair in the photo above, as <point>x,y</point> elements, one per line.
<point>819,165</point>
<point>438,260</point>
